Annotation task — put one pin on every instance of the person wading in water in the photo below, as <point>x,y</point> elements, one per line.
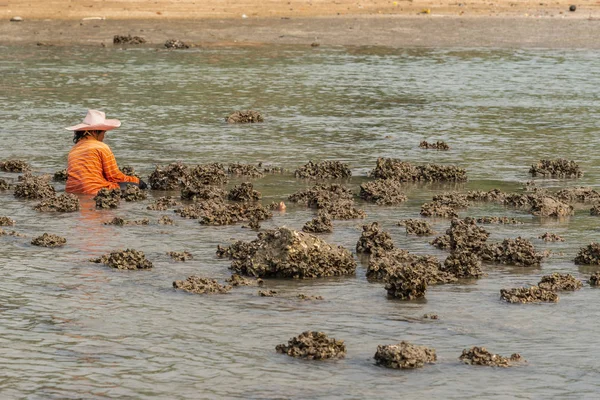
<point>91,165</point>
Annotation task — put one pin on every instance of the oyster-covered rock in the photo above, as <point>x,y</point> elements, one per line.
<point>118,221</point>
<point>578,195</point>
<point>250,170</point>
<point>180,255</point>
<point>209,174</point>
<point>437,209</point>
<point>551,237</point>
<point>463,264</point>
<point>4,184</point>
<point>163,203</point>
<point>595,210</point>
<point>382,192</point>
<point>452,199</point>
<point>323,170</point>
<point>373,238</point>
<point>5,221</point>
<point>493,195</point>
<point>127,259</point>
<point>285,253</point>
<point>106,198</point>
<point>390,168</point>
<point>198,192</point>
<point>589,255</point>
<point>313,346</point>
<point>122,39</point>
<point>267,293</point>
<point>480,356</point>
<point>133,193</point>
<point>238,280</point>
<point>14,166</point>
<point>170,177</point>
<point>66,202</point>
<point>303,296</point>
<point>417,227</point>
<point>176,44</point>
<point>220,213</point>
<point>321,224</point>
<point>244,192</point>
<point>498,220</point>
<point>439,145</point>
<point>532,294</point>
<point>517,251</point>
<point>335,199</point>
<point>409,281</point>
<point>557,282</point>
<point>558,168</point>
<point>49,240</point>
<point>198,285</point>
<point>404,355</point>
<point>244,117</point>
<point>381,263</point>
<point>34,187</point>
<point>594,279</point>
<point>463,234</point>
<point>165,220</point>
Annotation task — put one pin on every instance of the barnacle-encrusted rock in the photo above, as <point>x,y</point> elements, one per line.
<point>556,282</point>
<point>417,227</point>
<point>480,356</point>
<point>452,199</point>
<point>127,259</point>
<point>118,221</point>
<point>303,296</point>
<point>250,170</point>
<point>14,166</point>
<point>372,239</point>
<point>163,203</point>
<point>344,209</point>
<point>122,39</point>
<point>133,193</point>
<point>594,279</point>
<point>199,285</point>
<point>410,280</point>
<point>165,220</point>
<point>66,202</point>
<point>382,192</point>
<point>313,346</point>
<point>381,263</point>
<point>463,264</point>
<point>390,168</point>
<point>532,294</point>
<point>3,184</point>
<point>551,237</point>
<point>238,280</point>
<point>493,195</point>
<point>209,174</point>
<point>49,240</point>
<point>404,355</point>
<point>323,170</point>
<point>335,199</point>
<point>285,253</point>
<point>244,192</point>
<point>497,220</point>
<point>221,213</point>
<point>589,255</point>
<point>244,117</point>
<point>517,251</point>
<point>199,192</point>
<point>321,224</point>
<point>439,145</point>
<point>267,293</point>
<point>5,221</point>
<point>34,187</point>
<point>463,234</point>
<point>546,206</point>
<point>180,255</point>
<point>170,177</point>
<point>107,198</point>
<point>578,195</point>
<point>558,168</point>
<point>176,44</point>
<point>437,209</point>
<point>60,176</point>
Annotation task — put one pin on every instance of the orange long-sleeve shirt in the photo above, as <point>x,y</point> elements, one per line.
<point>92,166</point>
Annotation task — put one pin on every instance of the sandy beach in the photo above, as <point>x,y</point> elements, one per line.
<point>445,23</point>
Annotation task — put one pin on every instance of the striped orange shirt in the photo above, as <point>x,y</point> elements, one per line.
<point>92,166</point>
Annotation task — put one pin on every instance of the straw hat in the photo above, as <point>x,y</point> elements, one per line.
<point>95,121</point>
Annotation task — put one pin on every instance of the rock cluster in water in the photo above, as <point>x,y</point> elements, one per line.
<point>221,213</point>
<point>176,44</point>
<point>404,355</point>
<point>589,255</point>
<point>243,192</point>
<point>335,199</point>
<point>519,252</point>
<point>122,39</point>
<point>578,195</point>
<point>532,294</point>
<point>417,227</point>
<point>238,280</point>
<point>321,224</point>
<point>285,253</point>
<point>382,192</point>
<point>6,221</point>
<point>480,356</point>
<point>198,285</point>
<point>4,184</point>
<point>239,169</point>
<point>66,202</point>
<point>34,187</point>
<point>313,346</point>
<point>14,166</point>
<point>373,239</point>
<point>551,237</point>
<point>163,203</point>
<point>558,168</point>
<point>436,209</point>
<point>118,221</point>
<point>127,259</point>
<point>178,175</point>
<point>133,193</point>
<point>49,240</point>
<point>557,282</point>
<point>267,293</point>
<point>391,168</point>
<point>498,220</point>
<point>439,145</point>
<point>244,117</point>
<point>60,176</point>
<point>108,198</point>
<point>180,255</point>
<point>463,264</point>
<point>323,170</point>
<point>463,234</point>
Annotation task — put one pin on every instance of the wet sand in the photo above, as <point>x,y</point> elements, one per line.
<point>504,24</point>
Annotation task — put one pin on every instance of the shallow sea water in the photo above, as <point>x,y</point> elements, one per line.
<point>70,329</point>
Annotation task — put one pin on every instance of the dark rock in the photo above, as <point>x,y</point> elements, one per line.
<point>60,176</point>
<point>121,39</point>
<point>404,355</point>
<point>439,145</point>
<point>127,259</point>
<point>245,117</point>
<point>313,346</point>
<point>49,240</point>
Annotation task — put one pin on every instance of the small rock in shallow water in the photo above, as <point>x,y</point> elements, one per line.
<point>127,259</point>
<point>244,117</point>
<point>199,285</point>
<point>480,356</point>
<point>556,282</point>
<point>404,355</point>
<point>267,293</point>
<point>49,240</point>
<point>533,294</point>
<point>180,255</point>
<point>313,346</point>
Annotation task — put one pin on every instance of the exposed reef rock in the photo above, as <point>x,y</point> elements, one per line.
<point>533,294</point>
<point>417,227</point>
<point>551,237</point>
<point>180,255</point>
<point>373,239</point>
<point>436,209</point>
<point>244,117</point>
<point>199,285</point>
<point>127,259</point>
<point>404,355</point>
<point>238,169</point>
<point>382,192</point>
<point>313,346</point>
<point>122,39</point>
<point>164,203</point>
<point>323,170</point>
<point>558,168</point>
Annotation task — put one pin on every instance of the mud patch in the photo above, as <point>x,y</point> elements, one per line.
<point>557,282</point>
<point>244,192</point>
<point>519,252</point>
<point>439,145</point>
<point>374,239</point>
<point>404,355</point>
<point>382,192</point>
<point>5,221</point>
<point>14,166</point>
<point>180,255</point>
<point>533,294</point>
<point>313,346</point>
<point>244,117</point>
<point>199,285</point>
<point>122,39</point>
<point>480,356</point>
<point>558,168</point>
<point>66,202</point>
<point>323,170</point>
<point>551,237</point>
<point>589,255</point>
<point>106,198</point>
<point>128,259</point>
<point>321,224</point>
<point>463,264</point>
<point>285,253</point>
<point>163,204</point>
<point>49,240</point>
<point>417,227</point>
<point>34,187</point>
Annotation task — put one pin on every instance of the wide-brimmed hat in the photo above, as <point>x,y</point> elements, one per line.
<point>95,121</point>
